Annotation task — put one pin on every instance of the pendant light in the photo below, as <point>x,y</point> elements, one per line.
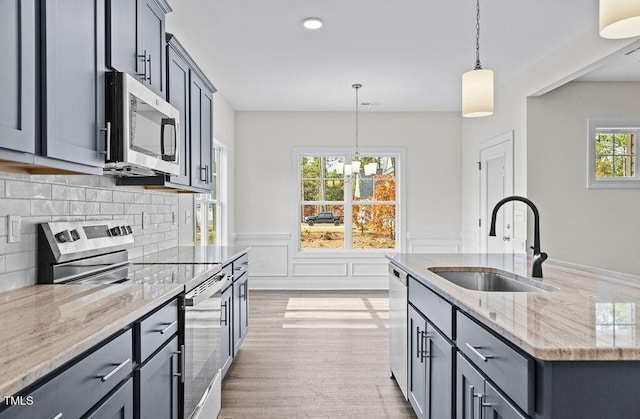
<point>477,84</point>
<point>619,19</point>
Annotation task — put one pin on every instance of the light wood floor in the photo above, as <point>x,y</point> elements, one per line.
<point>314,354</point>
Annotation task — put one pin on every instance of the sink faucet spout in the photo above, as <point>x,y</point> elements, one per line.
<point>538,256</point>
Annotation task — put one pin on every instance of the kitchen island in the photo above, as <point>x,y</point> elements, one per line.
<point>568,350</point>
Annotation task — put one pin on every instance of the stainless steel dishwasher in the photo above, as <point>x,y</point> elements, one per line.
<point>398,326</point>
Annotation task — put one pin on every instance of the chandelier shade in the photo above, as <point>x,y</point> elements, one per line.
<point>477,93</point>
<point>619,19</point>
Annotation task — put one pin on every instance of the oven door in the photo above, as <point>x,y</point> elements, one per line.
<point>202,346</point>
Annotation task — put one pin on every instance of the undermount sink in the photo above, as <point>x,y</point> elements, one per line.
<point>490,280</point>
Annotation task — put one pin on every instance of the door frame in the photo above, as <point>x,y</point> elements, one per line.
<point>505,140</point>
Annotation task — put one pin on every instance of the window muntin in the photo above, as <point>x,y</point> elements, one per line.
<point>612,154</point>
<point>363,205</point>
<point>208,207</point>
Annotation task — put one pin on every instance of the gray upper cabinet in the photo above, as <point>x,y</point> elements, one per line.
<point>122,36</point>
<point>135,41</point>
<point>151,45</point>
<point>73,78</point>
<point>178,96</point>
<point>17,83</point>
<point>201,126</point>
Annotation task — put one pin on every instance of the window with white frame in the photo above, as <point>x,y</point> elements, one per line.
<point>208,207</point>
<point>342,207</point>
<point>612,154</point>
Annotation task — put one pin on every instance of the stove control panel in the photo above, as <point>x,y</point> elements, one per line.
<point>76,239</point>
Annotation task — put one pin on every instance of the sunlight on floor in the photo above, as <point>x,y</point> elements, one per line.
<point>336,313</point>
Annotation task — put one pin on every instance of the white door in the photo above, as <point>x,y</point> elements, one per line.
<point>496,182</point>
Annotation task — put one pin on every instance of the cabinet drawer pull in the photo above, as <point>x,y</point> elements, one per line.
<point>474,349</point>
<point>169,327</point>
<point>58,416</point>
<point>115,370</point>
<point>145,68</point>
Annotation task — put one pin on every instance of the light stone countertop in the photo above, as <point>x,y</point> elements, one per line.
<point>193,255</point>
<point>45,326</point>
<point>574,323</point>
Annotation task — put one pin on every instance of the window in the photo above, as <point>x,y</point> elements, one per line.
<point>612,154</point>
<point>341,208</point>
<point>208,207</point>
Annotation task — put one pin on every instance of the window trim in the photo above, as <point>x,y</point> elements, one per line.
<point>613,183</point>
<point>298,152</point>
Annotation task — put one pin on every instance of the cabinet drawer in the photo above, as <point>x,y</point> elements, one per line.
<point>156,329</point>
<point>511,371</point>
<point>434,307</point>
<point>240,266</point>
<point>73,392</point>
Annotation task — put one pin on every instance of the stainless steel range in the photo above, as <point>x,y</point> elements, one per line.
<point>95,252</point>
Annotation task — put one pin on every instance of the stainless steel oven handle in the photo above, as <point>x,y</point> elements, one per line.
<point>201,293</point>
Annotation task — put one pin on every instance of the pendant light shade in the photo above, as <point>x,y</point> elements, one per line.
<point>619,19</point>
<point>477,93</point>
<point>477,84</point>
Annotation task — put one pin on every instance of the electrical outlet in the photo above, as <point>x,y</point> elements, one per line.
<point>187,217</point>
<point>15,225</point>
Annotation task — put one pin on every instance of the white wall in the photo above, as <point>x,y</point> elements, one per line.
<point>567,62</point>
<point>266,203</point>
<point>589,226</point>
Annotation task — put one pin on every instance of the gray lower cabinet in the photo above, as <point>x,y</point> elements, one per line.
<point>240,311</point>
<point>135,373</point>
<point>430,369</point>
<point>73,81</point>
<point>118,405</point>
<point>158,382</point>
<point>17,83</point>
<point>478,398</point>
<point>78,388</point>
<point>226,314</point>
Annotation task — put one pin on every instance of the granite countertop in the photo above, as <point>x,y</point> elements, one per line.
<point>573,323</point>
<point>193,255</point>
<point>45,326</point>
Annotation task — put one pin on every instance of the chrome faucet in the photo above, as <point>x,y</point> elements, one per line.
<point>538,256</point>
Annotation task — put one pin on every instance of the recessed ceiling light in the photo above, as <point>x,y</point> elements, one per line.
<point>312,23</point>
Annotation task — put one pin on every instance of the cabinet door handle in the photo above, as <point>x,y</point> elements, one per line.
<point>203,178</point>
<point>470,399</point>
<point>426,348</point>
<point>145,68</point>
<point>225,313</point>
<point>182,363</point>
<point>418,342</point>
<point>107,141</point>
<point>483,405</point>
<point>246,290</point>
<point>474,349</point>
<point>115,370</point>
<point>169,327</point>
<point>144,61</point>
<point>58,416</point>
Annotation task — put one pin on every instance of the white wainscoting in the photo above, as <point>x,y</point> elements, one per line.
<point>276,262</point>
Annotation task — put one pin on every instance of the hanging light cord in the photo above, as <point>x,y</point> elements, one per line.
<point>357,86</point>
<point>478,65</point>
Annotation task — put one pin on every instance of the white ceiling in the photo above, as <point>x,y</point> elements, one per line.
<point>408,54</point>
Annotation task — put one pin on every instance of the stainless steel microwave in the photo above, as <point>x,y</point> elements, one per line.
<point>143,129</point>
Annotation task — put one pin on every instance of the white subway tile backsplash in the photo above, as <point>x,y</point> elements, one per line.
<point>49,207</point>
<point>30,190</point>
<point>70,193</point>
<point>44,198</point>
<point>15,207</point>
<point>20,261</point>
<point>99,195</point>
